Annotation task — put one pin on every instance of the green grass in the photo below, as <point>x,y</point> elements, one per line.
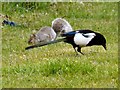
<point>57,65</point>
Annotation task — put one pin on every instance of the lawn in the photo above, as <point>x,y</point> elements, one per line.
<point>57,65</point>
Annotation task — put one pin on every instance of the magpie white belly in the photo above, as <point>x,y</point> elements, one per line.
<point>83,39</point>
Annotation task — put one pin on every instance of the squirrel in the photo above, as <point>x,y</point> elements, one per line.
<point>47,34</point>
<point>61,26</point>
<point>44,35</point>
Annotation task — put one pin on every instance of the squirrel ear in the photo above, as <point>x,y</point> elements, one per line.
<point>33,35</point>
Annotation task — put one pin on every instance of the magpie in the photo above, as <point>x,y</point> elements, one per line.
<point>78,39</point>
<point>84,38</point>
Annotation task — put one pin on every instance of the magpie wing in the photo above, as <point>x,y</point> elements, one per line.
<point>69,34</point>
<point>72,33</point>
<point>85,31</point>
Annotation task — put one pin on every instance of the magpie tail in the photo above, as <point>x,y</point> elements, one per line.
<point>40,45</point>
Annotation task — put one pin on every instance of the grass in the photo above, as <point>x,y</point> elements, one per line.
<point>57,66</point>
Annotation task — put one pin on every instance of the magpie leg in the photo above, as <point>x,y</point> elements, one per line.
<point>75,50</point>
<point>79,50</point>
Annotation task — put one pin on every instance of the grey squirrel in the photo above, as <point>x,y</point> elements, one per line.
<point>44,35</point>
<point>61,26</point>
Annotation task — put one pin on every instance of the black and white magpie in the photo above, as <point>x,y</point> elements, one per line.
<point>83,38</point>
<point>79,39</point>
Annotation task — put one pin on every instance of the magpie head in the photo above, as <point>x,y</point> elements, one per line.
<point>103,41</point>
<point>104,45</point>
<point>98,39</point>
